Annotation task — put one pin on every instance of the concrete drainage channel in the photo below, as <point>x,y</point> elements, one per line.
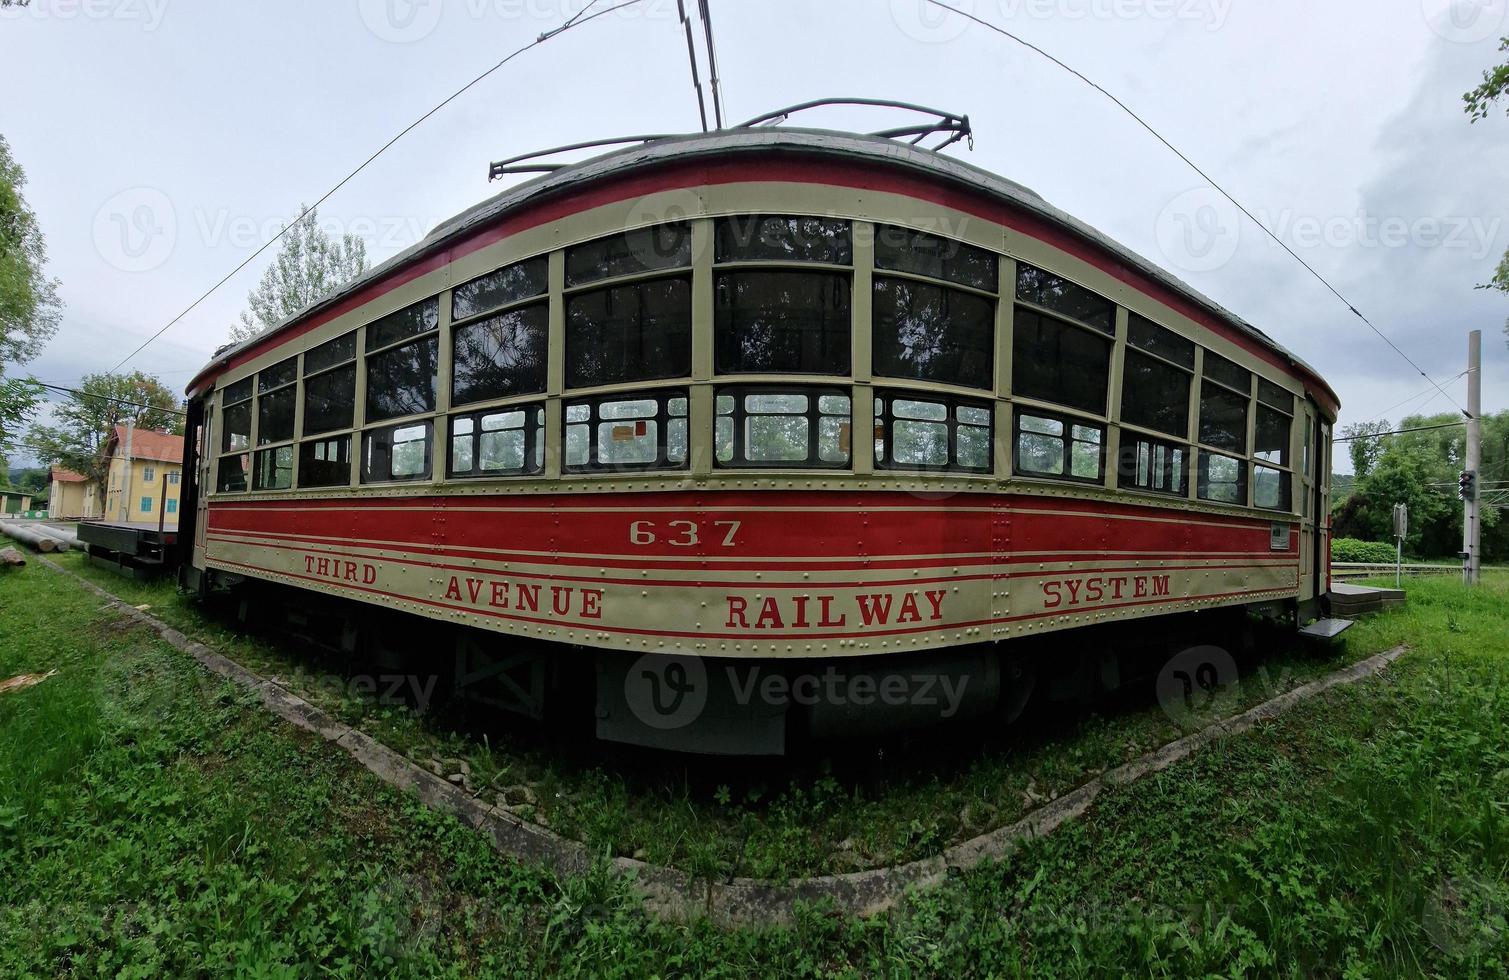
<point>673,894</point>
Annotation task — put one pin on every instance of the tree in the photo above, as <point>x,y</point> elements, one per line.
<point>1479,101</point>
<point>1365,445</point>
<point>29,304</point>
<point>310,264</point>
<point>89,416</point>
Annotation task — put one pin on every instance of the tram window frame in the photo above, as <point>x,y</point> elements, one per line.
<point>937,258</point>
<point>318,456</point>
<point>887,417</point>
<point>735,235</point>
<point>532,428</point>
<point>1271,463</point>
<point>1066,437</point>
<point>234,459</point>
<point>503,288</point>
<point>332,363</point>
<point>965,350</point>
<point>1047,383</point>
<point>507,380</point>
<point>1282,480</point>
<point>1050,292</point>
<point>1154,350</point>
<point>826,351</point>
<point>1213,392</point>
<point>630,254</point>
<point>738,419</point>
<point>375,451</point>
<point>584,334</point>
<point>667,417</point>
<point>1204,482</point>
<point>1136,471</point>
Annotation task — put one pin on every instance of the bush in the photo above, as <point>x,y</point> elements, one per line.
<point>1351,549</point>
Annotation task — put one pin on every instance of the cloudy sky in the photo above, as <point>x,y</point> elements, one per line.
<point>165,140</point>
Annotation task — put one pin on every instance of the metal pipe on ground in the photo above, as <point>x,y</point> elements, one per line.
<point>39,542</point>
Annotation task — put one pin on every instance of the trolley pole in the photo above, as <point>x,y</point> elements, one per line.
<point>1471,532</point>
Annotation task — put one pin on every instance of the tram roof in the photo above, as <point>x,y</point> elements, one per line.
<point>732,143</point>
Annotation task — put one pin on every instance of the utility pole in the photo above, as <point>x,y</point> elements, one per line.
<point>1471,532</point>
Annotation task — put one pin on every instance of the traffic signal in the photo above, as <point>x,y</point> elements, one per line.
<point>1467,485</point>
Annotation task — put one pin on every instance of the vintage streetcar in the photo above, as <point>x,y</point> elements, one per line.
<point>672,431</point>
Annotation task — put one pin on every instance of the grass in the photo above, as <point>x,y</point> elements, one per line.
<point>153,823</point>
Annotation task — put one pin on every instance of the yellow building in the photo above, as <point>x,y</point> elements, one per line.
<point>71,495</point>
<point>146,473</point>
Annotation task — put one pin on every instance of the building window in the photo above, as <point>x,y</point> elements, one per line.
<point>146,505</point>
<point>1058,446</point>
<point>325,462</point>
<point>172,506</point>
<point>148,474</point>
<point>499,442</point>
<point>174,477</point>
<point>638,331</point>
<point>781,321</point>
<point>1222,479</point>
<point>634,432</point>
<point>1153,465</point>
<point>1059,362</point>
<point>919,432</point>
<point>793,427</point>
<point>928,332</point>
<point>397,452</point>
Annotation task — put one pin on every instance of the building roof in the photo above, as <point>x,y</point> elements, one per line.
<point>61,474</point>
<point>159,447</point>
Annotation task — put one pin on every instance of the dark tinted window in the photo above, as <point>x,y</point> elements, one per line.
<point>325,462</point>
<point>1153,465</point>
<point>1271,436</point>
<point>275,416</point>
<point>1155,395</point>
<point>238,392</point>
<point>1062,296</point>
<point>327,355</point>
<point>1146,335</point>
<point>401,381</point>
<point>329,400</point>
<point>1218,368</point>
<point>509,284</point>
<point>1223,419</point>
<point>398,452</point>
<point>635,332</point>
<point>1271,394</point>
<point>410,321</point>
<point>931,333</point>
<point>278,375</point>
<point>231,473</point>
<point>1059,363</point>
<point>782,321</point>
<point>273,469</point>
<point>904,250</point>
<point>235,427</point>
<point>775,238</point>
<point>640,250</point>
<point>501,356</point>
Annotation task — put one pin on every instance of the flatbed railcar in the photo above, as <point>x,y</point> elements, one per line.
<point>804,402</point>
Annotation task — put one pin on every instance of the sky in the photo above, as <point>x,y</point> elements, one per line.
<point>165,141</point>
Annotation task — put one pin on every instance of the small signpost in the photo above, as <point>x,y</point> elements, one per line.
<point>1401,530</point>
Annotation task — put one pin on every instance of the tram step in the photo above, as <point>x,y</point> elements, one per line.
<point>1325,629</point>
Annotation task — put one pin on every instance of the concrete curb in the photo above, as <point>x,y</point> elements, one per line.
<point>673,894</point>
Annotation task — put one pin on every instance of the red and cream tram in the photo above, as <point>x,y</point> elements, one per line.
<point>808,400</point>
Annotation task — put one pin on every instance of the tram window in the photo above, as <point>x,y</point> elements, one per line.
<point>1033,285</point>
<point>1060,363</point>
<point>926,433</point>
<point>275,415</point>
<point>666,246</point>
<point>325,462</point>
<point>397,452</point>
<point>411,321</point>
<point>1155,394</point>
<point>1271,436</point>
<point>635,332</point>
<point>500,356</point>
<point>1270,488</point>
<point>235,427</point>
<point>1218,368</point>
<point>510,284</point>
<point>779,238</point>
<point>401,380</point>
<point>1271,394</point>
<point>238,392</point>
<point>781,321</point>
<point>1144,334</point>
<point>930,333</point>
<point>502,442</point>
<point>646,431</point>
<point>231,473</point>
<point>905,250</point>
<point>329,400</point>
<point>776,427</point>
<point>1222,479</point>
<point>1304,453</point>
<point>1153,465</point>
<point>329,354</point>
<point>273,469</point>
<point>1060,447</point>
<point>1223,418</point>
<point>280,374</point>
